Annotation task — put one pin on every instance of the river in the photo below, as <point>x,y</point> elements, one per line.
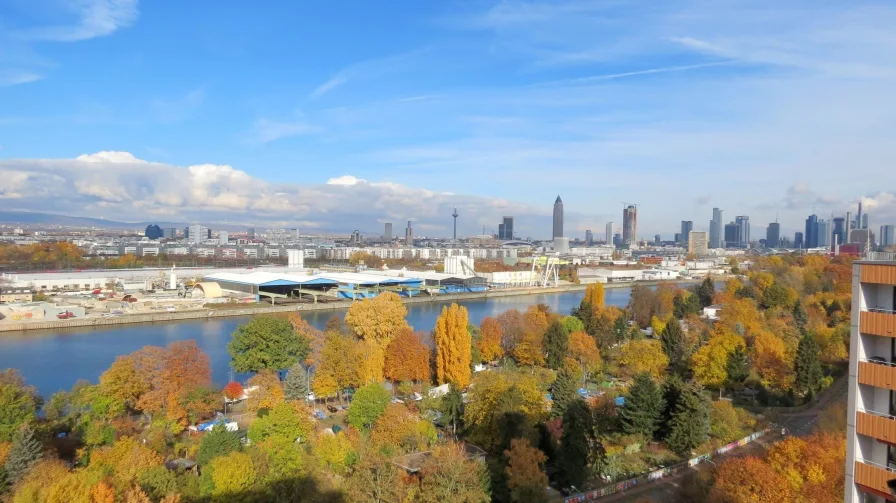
<point>55,360</point>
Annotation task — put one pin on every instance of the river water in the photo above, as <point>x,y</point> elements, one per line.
<point>54,360</point>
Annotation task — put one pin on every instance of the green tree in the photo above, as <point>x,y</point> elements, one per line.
<point>705,292</point>
<point>266,343</point>
<point>16,407</point>
<point>563,392</point>
<point>575,453</point>
<point>673,343</point>
<point>368,404</point>
<point>672,390</point>
<point>774,296</point>
<point>807,367</point>
<point>295,386</point>
<point>620,328</point>
<point>573,324</point>
<point>157,482</point>
<point>643,408</point>
<point>286,422</point>
<point>689,426</point>
<point>24,453</point>
<point>556,345</point>
<point>453,407</point>
<point>800,318</point>
<point>737,367</point>
<point>217,442</point>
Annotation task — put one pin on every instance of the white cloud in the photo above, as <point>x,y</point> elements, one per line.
<point>329,85</point>
<point>16,77</point>
<point>345,180</point>
<point>265,130</point>
<point>95,18</point>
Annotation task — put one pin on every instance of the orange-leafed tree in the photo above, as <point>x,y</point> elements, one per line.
<point>490,337</point>
<point>265,390</point>
<point>771,361</point>
<point>583,350</point>
<point>453,346</point>
<point>315,337</point>
<point>750,479</point>
<point>102,493</point>
<point>172,373</point>
<point>125,460</point>
<point>513,327</point>
<point>407,358</point>
<point>336,370</point>
<point>526,477</point>
<point>233,390</point>
<point>537,320</point>
<point>122,382</point>
<point>530,350</point>
<point>377,319</point>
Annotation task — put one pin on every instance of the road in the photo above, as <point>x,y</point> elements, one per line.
<point>799,424</point>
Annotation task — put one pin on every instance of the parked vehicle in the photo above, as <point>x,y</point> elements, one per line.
<point>65,315</point>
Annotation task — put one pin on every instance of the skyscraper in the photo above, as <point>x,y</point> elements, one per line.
<point>823,232</point>
<point>630,225</point>
<point>686,227</point>
<point>773,235</point>
<point>838,234</point>
<point>387,232</point>
<point>409,235</point>
<point>798,240</point>
<point>558,218</point>
<point>501,231</point>
<point>589,238</point>
<point>743,231</point>
<point>731,235</point>
<point>609,231</point>
<point>508,228</point>
<point>859,217</point>
<point>887,236</point>
<point>865,221</point>
<point>715,229</point>
<point>811,236</point>
<point>250,233</point>
<point>698,243</point>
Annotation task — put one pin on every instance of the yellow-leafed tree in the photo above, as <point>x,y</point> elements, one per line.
<point>377,319</point>
<point>594,295</point>
<point>710,362</point>
<point>453,346</point>
<point>636,357</point>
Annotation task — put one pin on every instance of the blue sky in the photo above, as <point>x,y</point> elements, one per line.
<point>344,115</point>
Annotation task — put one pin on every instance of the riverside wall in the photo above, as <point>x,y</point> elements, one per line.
<point>199,314</point>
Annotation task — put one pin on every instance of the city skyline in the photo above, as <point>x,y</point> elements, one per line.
<point>258,129</point>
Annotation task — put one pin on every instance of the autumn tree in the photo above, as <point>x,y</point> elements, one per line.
<point>122,383</point>
<point>583,351</point>
<point>375,479</point>
<point>17,406</point>
<point>513,327</point>
<point>314,336</point>
<point>377,319</point>
<point>643,408</point>
<point>265,391</point>
<point>807,368</point>
<point>369,361</point>
<point>399,430</point>
<point>230,475</point>
<point>407,358</point>
<point>295,386</point>
<point>452,346</point>
<point>526,477</point>
<point>642,304</point>
<point>494,397</point>
<point>367,405</point>
<point>266,343</point>
<point>594,296</point>
<point>556,345</point>
<point>771,362</point>
<point>233,390</point>
<point>563,392</point>
<point>710,362</point>
<point>636,357</point>
<point>285,422</point>
<point>749,479</point>
<point>490,338</point>
<point>530,350</point>
<point>336,370</point>
<point>447,475</point>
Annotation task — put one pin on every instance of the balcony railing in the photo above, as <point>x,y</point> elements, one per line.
<point>874,476</point>
<point>881,274</point>
<point>877,425</point>
<point>878,322</point>
<point>877,374</point>
<point>881,257</point>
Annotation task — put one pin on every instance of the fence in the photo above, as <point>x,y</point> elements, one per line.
<point>662,472</point>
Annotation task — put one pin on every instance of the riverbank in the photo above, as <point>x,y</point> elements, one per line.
<point>201,314</point>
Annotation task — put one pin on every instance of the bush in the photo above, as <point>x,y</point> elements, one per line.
<point>368,404</point>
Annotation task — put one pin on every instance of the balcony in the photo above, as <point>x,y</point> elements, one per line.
<point>876,425</point>
<point>877,374</point>
<point>873,478</point>
<point>878,322</point>
<point>882,274</point>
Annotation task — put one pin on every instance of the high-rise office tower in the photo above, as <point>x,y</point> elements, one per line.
<point>823,233</point>
<point>866,221</point>
<point>409,235</point>
<point>617,239</point>
<point>869,416</point>
<point>630,225</point>
<point>773,235</point>
<point>589,238</point>
<point>798,240</point>
<point>609,237</point>
<point>811,236</point>
<point>715,229</point>
<point>250,233</point>
<point>558,218</point>
<point>731,235</point>
<point>387,232</point>
<point>698,243</point>
<point>887,237</point>
<point>508,228</point>
<point>686,227</point>
<point>859,217</point>
<point>223,237</point>
<point>657,239</point>
<point>743,231</point>
<point>501,231</point>
<point>838,235</point>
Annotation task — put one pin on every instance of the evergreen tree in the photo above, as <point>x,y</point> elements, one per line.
<point>672,339</point>
<point>800,318</point>
<point>678,306</point>
<point>218,442</point>
<point>453,407</point>
<point>556,345</point>
<point>584,312</point>
<point>563,392</point>
<point>643,408</point>
<point>672,390</point>
<point>575,454</point>
<point>807,367</point>
<point>295,387</point>
<point>705,292</point>
<point>689,426</point>
<point>737,367</point>
<point>620,329</point>
<point>24,453</point>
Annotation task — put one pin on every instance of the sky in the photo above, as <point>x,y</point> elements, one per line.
<point>345,115</point>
